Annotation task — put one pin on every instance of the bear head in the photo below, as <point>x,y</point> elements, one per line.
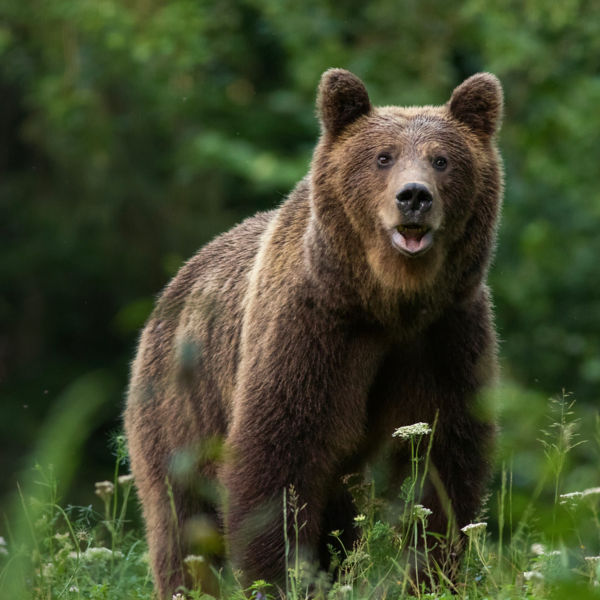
<point>415,192</point>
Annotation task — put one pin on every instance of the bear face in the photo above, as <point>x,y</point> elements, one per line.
<point>414,184</point>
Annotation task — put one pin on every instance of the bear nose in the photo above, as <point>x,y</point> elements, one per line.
<point>414,199</point>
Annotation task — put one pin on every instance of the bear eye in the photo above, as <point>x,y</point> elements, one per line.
<point>439,163</point>
<point>384,159</point>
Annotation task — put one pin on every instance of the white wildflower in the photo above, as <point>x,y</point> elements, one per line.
<point>178,597</point>
<point>533,575</point>
<point>345,588</point>
<point>96,554</point>
<point>74,588</point>
<point>360,518</point>
<point>593,561</point>
<point>104,489</point>
<point>421,512</point>
<point>538,549</point>
<point>99,553</point>
<point>591,492</point>
<point>125,480</point>
<point>570,498</point>
<point>195,565</point>
<point>474,528</point>
<point>409,432</point>
<point>82,535</point>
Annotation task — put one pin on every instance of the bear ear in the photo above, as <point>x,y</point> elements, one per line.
<point>477,102</point>
<point>341,99</point>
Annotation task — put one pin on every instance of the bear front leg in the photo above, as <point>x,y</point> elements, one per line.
<point>459,469</point>
<point>299,413</point>
<point>272,509</point>
<point>462,353</point>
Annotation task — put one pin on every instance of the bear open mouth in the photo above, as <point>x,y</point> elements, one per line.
<point>412,239</point>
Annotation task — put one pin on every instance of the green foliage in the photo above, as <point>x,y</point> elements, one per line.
<point>548,549</point>
<point>136,131</point>
<point>73,552</point>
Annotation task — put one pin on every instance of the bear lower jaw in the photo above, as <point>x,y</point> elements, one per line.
<point>412,241</point>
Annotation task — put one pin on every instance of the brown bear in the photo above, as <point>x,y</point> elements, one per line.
<point>305,335</point>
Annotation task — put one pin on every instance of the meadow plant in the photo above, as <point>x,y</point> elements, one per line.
<point>64,554</point>
<point>78,552</point>
<point>476,536</point>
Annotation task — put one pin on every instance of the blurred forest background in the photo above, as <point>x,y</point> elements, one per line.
<point>133,131</point>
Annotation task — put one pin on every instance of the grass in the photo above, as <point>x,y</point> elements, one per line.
<point>538,539</point>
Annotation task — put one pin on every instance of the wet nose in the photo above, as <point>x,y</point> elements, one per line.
<point>414,199</point>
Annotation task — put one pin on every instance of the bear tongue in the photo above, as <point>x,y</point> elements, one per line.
<point>412,239</point>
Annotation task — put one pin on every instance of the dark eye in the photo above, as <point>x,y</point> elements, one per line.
<point>439,163</point>
<point>385,159</point>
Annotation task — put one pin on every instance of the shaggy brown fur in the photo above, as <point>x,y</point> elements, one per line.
<point>305,335</point>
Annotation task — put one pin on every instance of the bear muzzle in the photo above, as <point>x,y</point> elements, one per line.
<point>414,235</point>
<point>412,239</point>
